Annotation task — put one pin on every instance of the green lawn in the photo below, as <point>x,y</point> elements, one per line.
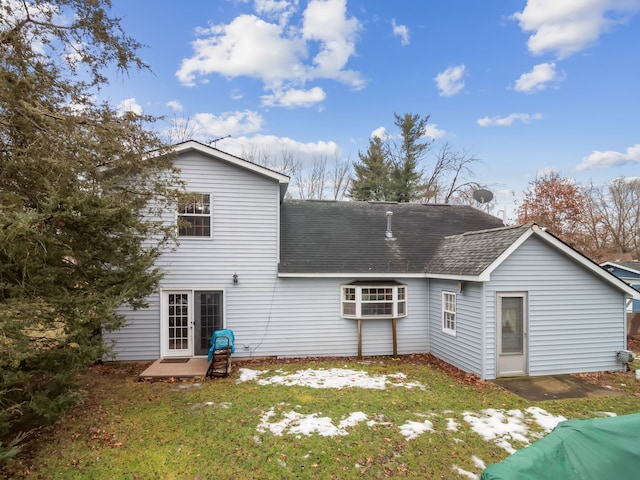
<point>421,425</point>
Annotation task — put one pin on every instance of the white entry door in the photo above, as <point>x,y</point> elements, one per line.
<point>189,318</point>
<point>512,333</point>
<point>177,324</point>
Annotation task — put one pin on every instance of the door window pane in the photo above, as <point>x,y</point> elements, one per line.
<point>178,316</point>
<point>512,323</point>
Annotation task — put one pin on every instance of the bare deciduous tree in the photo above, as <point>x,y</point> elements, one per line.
<point>181,129</point>
<point>341,177</point>
<point>613,216</point>
<point>450,175</point>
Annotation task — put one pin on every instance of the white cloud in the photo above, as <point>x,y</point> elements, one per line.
<point>547,171</point>
<point>129,105</point>
<point>401,31</point>
<point>508,120</point>
<point>229,123</point>
<point>569,26</point>
<point>281,10</point>
<point>598,159</point>
<point>294,98</point>
<point>538,78</point>
<point>248,46</point>
<point>450,82</point>
<point>380,132</point>
<point>175,105</point>
<point>326,22</point>
<point>275,147</point>
<point>279,54</point>
<point>432,131</point>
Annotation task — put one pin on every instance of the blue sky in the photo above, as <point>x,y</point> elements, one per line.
<point>527,86</point>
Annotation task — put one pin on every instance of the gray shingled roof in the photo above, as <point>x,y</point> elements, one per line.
<point>472,252</point>
<point>349,237</point>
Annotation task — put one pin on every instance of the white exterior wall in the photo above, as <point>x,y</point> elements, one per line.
<point>575,320</point>
<point>269,315</point>
<point>304,320</point>
<point>245,219</point>
<point>464,350</point>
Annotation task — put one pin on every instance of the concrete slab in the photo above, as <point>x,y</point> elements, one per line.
<point>188,368</point>
<point>553,387</point>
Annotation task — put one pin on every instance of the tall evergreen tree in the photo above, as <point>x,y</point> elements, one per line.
<point>406,177</point>
<point>372,174</point>
<point>74,191</point>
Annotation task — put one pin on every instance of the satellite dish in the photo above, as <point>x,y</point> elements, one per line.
<point>482,196</point>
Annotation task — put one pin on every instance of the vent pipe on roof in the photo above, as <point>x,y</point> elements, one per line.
<point>389,233</point>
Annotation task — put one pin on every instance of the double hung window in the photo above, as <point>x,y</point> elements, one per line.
<point>449,313</point>
<point>194,215</point>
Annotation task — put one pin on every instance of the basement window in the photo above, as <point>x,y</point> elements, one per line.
<point>374,300</point>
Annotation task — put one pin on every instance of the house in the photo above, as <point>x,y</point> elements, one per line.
<point>628,271</point>
<point>319,278</point>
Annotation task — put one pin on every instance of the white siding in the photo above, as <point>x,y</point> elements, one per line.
<point>269,316</point>
<point>245,219</point>
<point>464,350</point>
<point>303,319</point>
<point>576,321</point>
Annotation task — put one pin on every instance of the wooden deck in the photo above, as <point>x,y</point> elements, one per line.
<point>186,368</point>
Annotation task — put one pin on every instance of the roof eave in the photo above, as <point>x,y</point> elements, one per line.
<point>465,278</point>
<point>240,162</point>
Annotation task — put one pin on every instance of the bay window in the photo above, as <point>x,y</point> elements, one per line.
<point>374,300</point>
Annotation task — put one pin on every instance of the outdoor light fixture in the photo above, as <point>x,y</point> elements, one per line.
<point>235,278</point>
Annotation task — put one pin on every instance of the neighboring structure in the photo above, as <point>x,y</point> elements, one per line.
<point>314,278</point>
<point>630,273</point>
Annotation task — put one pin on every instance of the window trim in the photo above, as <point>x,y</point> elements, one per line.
<point>209,215</point>
<point>449,325</point>
<point>352,295</point>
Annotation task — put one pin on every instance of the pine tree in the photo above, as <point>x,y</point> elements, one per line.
<point>74,190</point>
<point>405,178</point>
<point>372,174</point>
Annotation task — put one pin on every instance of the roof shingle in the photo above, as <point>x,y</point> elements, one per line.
<point>349,237</point>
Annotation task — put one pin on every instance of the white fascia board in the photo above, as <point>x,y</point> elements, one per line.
<point>464,278</point>
<point>351,275</point>
<point>588,264</point>
<point>485,276</point>
<point>461,278</point>
<point>237,161</point>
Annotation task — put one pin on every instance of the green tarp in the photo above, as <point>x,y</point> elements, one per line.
<point>601,448</point>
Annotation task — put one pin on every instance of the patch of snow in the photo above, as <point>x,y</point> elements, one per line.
<point>336,378</point>
<point>352,420</point>
<point>217,404</point>
<point>465,473</point>
<point>247,375</point>
<point>412,429</point>
<point>544,418</point>
<point>452,425</point>
<point>500,427</point>
<point>606,414</point>
<point>504,427</point>
<point>309,424</point>
<point>295,423</point>
<point>478,462</point>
